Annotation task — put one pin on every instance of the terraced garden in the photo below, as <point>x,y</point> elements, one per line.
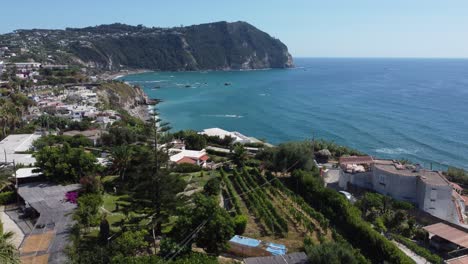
<point>275,213</point>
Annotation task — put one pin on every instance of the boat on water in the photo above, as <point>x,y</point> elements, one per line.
<point>227,83</point>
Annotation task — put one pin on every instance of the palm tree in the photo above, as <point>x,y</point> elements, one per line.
<point>121,158</point>
<point>8,252</point>
<point>5,176</point>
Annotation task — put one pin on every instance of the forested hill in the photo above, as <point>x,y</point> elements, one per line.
<point>219,45</point>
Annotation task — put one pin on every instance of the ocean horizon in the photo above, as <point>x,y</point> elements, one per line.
<point>396,108</point>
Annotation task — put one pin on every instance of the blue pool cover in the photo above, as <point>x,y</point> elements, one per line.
<point>245,241</point>
<point>276,249</point>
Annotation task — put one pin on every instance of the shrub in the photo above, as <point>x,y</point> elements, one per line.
<point>253,163</point>
<point>212,187</point>
<point>130,243</point>
<point>423,252</point>
<point>187,168</point>
<point>347,220</point>
<point>7,197</point>
<point>240,223</point>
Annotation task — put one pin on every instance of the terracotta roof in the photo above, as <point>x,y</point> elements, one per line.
<point>186,160</point>
<point>449,233</point>
<point>459,260</point>
<point>356,160</point>
<point>456,186</point>
<point>465,198</point>
<point>204,157</point>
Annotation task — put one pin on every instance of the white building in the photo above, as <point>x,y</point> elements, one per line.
<point>27,65</point>
<point>2,66</point>
<point>25,173</point>
<point>14,148</point>
<point>77,112</point>
<point>429,190</point>
<point>221,133</point>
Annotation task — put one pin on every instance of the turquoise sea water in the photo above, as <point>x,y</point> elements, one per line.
<point>392,108</point>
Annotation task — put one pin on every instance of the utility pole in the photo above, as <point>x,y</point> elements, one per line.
<point>16,182</point>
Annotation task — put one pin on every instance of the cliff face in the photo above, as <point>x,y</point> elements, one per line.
<point>118,95</point>
<point>214,46</point>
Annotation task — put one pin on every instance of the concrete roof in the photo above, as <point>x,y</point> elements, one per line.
<point>221,133</point>
<point>293,258</point>
<point>427,176</point>
<point>449,233</point>
<point>216,132</point>
<point>14,144</point>
<point>27,173</point>
<point>18,143</point>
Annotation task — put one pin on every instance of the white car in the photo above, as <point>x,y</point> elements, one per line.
<point>348,196</point>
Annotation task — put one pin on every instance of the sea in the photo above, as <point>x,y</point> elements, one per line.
<point>415,109</point>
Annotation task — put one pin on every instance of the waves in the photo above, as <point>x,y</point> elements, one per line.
<point>223,116</point>
<point>388,108</point>
<point>396,151</point>
<point>152,81</point>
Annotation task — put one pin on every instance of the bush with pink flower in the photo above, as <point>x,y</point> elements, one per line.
<point>72,197</point>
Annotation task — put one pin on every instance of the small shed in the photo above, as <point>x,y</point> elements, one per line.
<point>293,258</point>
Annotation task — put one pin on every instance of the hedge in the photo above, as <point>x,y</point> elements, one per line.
<point>347,220</point>
<point>428,255</point>
<point>7,197</point>
<point>187,168</point>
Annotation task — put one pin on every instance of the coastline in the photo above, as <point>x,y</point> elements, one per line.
<point>116,75</point>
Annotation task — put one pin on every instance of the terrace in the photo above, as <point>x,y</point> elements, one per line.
<point>47,235</point>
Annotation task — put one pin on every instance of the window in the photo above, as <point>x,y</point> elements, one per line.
<point>433,194</point>
<point>382,180</point>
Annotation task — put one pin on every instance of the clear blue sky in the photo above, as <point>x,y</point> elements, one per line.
<point>313,28</point>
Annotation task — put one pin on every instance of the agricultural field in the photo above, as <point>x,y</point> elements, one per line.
<point>274,213</point>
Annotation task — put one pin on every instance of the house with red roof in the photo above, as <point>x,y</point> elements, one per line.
<point>197,157</point>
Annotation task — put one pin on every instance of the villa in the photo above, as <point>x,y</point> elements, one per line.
<point>197,157</point>
<point>427,189</point>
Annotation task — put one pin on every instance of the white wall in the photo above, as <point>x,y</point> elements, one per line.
<point>397,186</point>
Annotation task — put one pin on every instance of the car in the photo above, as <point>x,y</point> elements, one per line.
<point>348,196</point>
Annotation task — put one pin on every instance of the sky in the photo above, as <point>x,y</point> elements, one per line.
<point>310,28</point>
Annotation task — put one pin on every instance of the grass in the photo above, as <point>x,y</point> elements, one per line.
<point>110,205</point>
<point>195,180</point>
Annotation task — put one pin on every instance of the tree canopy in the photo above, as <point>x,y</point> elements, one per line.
<point>215,225</point>
<point>64,163</point>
